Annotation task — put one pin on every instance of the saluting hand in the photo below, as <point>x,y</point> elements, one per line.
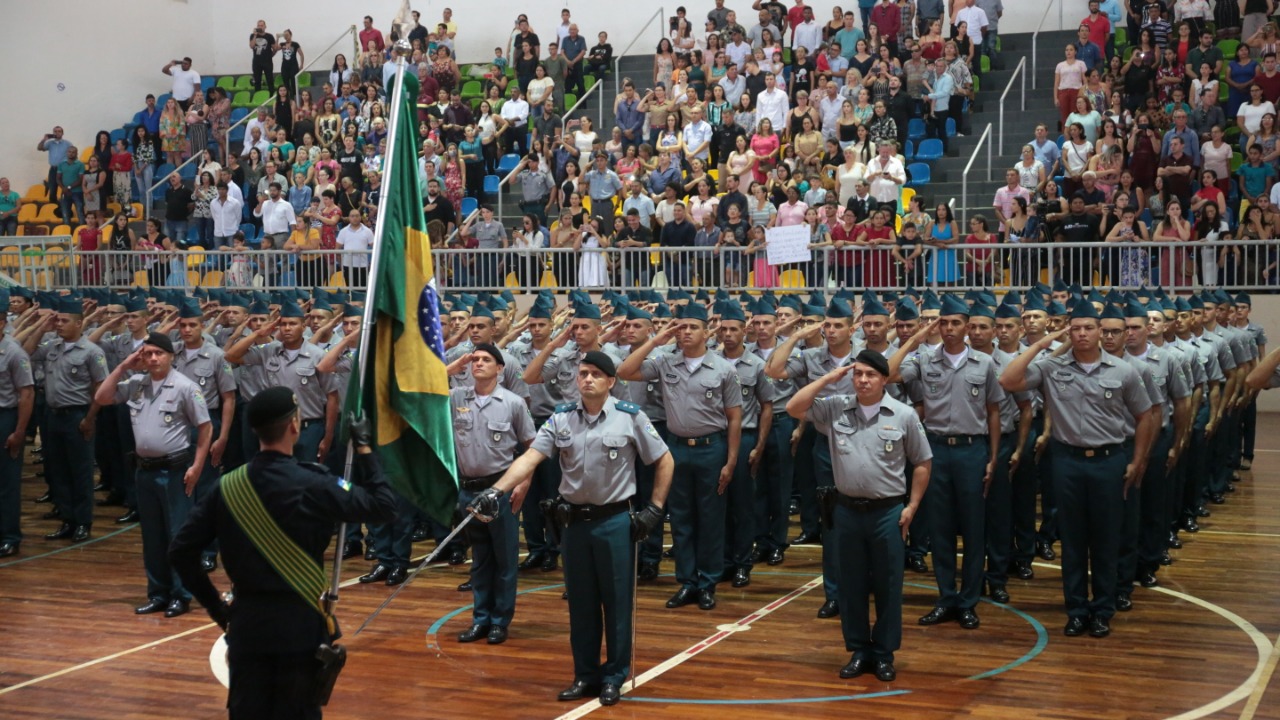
<point>134,361</point>
<point>458,366</point>
<point>667,335</point>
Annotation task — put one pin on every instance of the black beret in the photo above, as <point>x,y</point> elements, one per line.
<point>492,350</point>
<point>601,361</point>
<point>271,406</point>
<point>875,360</point>
<point>161,341</point>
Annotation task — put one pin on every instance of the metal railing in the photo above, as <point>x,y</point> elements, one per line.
<point>1019,71</point>
<point>985,139</point>
<point>1035,36</point>
<point>1236,265</point>
<point>660,14</point>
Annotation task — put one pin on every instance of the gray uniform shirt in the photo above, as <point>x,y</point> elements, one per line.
<point>511,378</point>
<point>299,374</point>
<point>1089,409</point>
<point>540,403</point>
<point>1169,380</point>
<point>869,456</point>
<point>782,389</point>
<point>813,363</point>
<point>487,434</point>
<point>695,399</point>
<point>645,393</point>
<point>162,421</point>
<point>15,372</point>
<point>560,374</point>
<point>1009,405</point>
<point>1148,385</point>
<point>756,388</point>
<point>597,455</point>
<point>955,398</point>
<point>70,371</point>
<point>209,370</point>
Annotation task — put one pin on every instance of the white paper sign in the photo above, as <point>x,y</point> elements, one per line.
<point>787,244</point>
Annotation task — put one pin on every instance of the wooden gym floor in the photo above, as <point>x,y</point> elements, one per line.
<point>1203,644</point>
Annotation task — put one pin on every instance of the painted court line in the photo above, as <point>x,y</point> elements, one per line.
<point>76,546</point>
<point>1255,697</point>
<point>688,654</point>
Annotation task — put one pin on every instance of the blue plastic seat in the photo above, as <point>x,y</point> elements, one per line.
<point>469,205</point>
<point>930,149</point>
<point>507,164</point>
<point>915,129</point>
<point>491,184</point>
<point>919,173</point>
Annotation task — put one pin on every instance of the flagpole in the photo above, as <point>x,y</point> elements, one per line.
<point>402,50</point>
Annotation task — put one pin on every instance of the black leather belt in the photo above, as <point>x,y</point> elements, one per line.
<point>1101,451</point>
<point>700,440</point>
<point>181,459</point>
<point>306,423</point>
<point>69,409</point>
<point>588,513</point>
<point>955,439</point>
<point>476,484</point>
<point>870,505</point>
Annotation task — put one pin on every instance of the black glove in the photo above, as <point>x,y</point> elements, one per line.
<point>485,505</point>
<point>645,521</point>
<point>360,430</point>
<point>221,614</point>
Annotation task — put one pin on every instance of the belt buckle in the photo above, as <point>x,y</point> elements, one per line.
<point>1090,452</point>
<point>692,442</point>
<point>953,440</point>
<point>861,504</point>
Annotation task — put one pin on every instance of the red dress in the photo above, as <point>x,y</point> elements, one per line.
<point>90,265</point>
<point>453,187</point>
<point>877,268</point>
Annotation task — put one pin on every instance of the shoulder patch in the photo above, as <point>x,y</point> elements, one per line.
<point>629,408</point>
<point>344,484</point>
<point>566,407</point>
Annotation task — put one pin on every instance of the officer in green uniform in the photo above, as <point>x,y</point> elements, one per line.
<point>704,422</point>
<point>596,441</point>
<point>73,370</point>
<point>165,408</point>
<point>758,396</point>
<point>17,400</point>
<point>776,467</point>
<point>961,396</point>
<point>1090,396</point>
<point>490,424</point>
<point>872,438</point>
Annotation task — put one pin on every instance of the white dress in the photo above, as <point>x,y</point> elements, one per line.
<point>849,180</point>
<point>591,269</point>
<point>583,142</point>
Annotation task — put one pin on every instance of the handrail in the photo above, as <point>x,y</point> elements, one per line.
<point>617,59</point>
<point>1019,70</point>
<point>964,177</point>
<point>1035,36</point>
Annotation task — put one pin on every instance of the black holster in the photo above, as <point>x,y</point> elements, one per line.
<point>332,658</point>
<point>555,517</point>
<point>828,497</point>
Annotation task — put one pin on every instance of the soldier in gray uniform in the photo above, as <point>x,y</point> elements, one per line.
<point>773,479</point>
<point>165,409</point>
<point>872,439</point>
<point>73,369</point>
<point>1091,396</point>
<point>491,424</point>
<point>482,326</point>
<point>1220,319</point>
<point>1191,481</point>
<point>704,414</point>
<point>758,395</point>
<point>17,400</point>
<point>1249,418</point>
<point>290,362</point>
<point>250,379</point>
<point>596,441</point>
<point>556,365</point>
<point>118,346</point>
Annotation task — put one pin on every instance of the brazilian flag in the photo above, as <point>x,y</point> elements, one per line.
<point>406,389</point>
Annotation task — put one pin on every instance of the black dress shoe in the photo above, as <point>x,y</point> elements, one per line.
<point>8,549</point>
<point>917,564</point>
<point>497,635</point>
<point>578,690</point>
<point>550,562</point>
<point>1074,628</point>
<point>808,539</point>
<point>1148,580</point>
<point>397,576</point>
<point>1045,550</point>
<point>1203,512</point>
<point>458,555</point>
<point>43,498</point>
<point>100,487</point>
<point>1246,463</point>
<point>377,574</point>
<point>1231,487</point>
<point>209,563</point>
<point>777,557</point>
<point>684,596</point>
<point>130,515</point>
<point>369,553</point>
<point>610,694</point>
<point>1218,499</point>
<point>758,555</point>
<point>1000,594</point>
<point>969,619</point>
<point>61,533</point>
<point>1099,627</point>
<point>465,587</point>
<point>648,571</point>
<point>741,578</point>
<point>1124,602</point>
<point>1023,570</point>
<point>154,605</point>
<point>420,533</point>
<point>1173,542</point>
<point>793,508</point>
<point>564,595</point>
<point>352,549</point>
<point>80,534</point>
<point>706,600</point>
<point>110,500</point>
<point>856,667</point>
<point>531,561</point>
<point>1165,559</point>
<point>829,609</point>
<point>1190,525</point>
<point>939,615</point>
<point>668,553</point>
<point>885,671</point>
<point>177,607</point>
<point>473,633</point>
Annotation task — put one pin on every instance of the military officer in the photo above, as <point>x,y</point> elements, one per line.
<point>482,327</point>
<point>758,396</point>
<point>17,400</point>
<point>703,398</point>
<point>596,440</point>
<point>290,361</point>
<point>1190,484</point>
<point>872,439</point>
<point>1249,418</point>
<point>74,368</point>
<point>776,466</point>
<point>274,632</point>
<point>131,329</point>
<point>490,424</point>
<point>250,379</point>
<point>165,409</point>
<point>1091,396</point>
<point>961,397</point>
<point>555,365</point>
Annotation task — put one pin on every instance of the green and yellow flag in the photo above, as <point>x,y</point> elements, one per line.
<point>406,389</point>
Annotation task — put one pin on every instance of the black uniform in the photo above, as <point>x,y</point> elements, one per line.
<point>272,635</point>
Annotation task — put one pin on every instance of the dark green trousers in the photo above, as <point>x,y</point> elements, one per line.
<point>871,561</point>
<point>1090,516</point>
<point>599,570</point>
<point>957,508</point>
<point>999,527</point>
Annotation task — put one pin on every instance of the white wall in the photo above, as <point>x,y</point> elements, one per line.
<point>1266,312</point>
<point>109,55</point>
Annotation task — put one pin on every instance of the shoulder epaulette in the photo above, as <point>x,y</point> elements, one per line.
<point>629,408</point>
<point>566,407</point>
